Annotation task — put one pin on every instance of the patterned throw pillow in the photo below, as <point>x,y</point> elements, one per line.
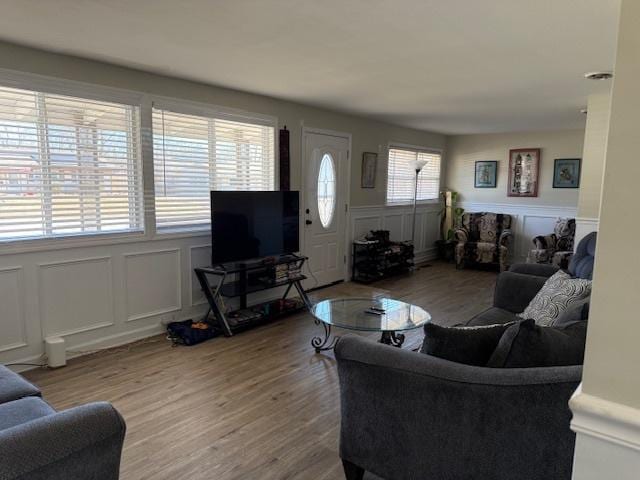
<point>559,292</point>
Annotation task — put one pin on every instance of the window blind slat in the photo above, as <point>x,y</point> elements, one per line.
<point>68,166</point>
<point>401,175</point>
<point>194,155</point>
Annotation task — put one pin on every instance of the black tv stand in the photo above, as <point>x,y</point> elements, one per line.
<point>252,276</point>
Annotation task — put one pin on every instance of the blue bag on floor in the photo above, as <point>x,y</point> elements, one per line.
<point>189,332</point>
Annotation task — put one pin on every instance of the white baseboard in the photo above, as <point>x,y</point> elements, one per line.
<point>111,341</point>
<point>426,256</point>
<point>25,363</point>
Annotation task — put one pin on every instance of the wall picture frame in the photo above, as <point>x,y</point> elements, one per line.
<point>369,166</point>
<point>486,174</point>
<point>524,171</point>
<point>566,173</point>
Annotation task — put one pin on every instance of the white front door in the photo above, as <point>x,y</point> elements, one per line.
<point>325,206</point>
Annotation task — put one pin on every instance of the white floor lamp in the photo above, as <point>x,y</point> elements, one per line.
<point>419,165</point>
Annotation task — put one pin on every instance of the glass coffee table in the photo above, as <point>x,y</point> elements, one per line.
<point>384,315</point>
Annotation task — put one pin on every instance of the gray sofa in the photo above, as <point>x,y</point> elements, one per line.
<point>38,443</point>
<point>411,416</point>
<point>517,287</point>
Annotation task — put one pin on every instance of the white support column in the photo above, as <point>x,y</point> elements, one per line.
<point>607,406</point>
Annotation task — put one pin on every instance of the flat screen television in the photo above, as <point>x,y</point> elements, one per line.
<point>246,225</point>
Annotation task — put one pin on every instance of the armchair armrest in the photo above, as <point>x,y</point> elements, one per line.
<point>461,235</point>
<point>514,291</point>
<point>538,269</point>
<point>505,237</point>
<point>82,442</point>
<point>409,415</point>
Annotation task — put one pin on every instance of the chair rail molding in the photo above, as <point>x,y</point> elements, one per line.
<point>528,221</point>
<point>584,226</point>
<point>605,431</point>
<point>518,208</point>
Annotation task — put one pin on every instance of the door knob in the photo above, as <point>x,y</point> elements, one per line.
<point>308,222</point>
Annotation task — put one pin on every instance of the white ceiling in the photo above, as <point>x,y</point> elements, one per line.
<point>453,66</point>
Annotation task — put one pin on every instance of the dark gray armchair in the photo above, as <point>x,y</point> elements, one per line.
<point>411,416</point>
<point>38,443</point>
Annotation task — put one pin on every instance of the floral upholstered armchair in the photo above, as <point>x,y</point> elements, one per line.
<point>557,247</point>
<point>483,238</point>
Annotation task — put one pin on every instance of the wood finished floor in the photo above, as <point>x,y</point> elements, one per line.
<point>260,405</point>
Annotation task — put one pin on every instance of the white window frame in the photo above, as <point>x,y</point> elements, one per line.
<point>188,107</point>
<point>81,90</point>
<point>145,102</point>
<point>407,146</point>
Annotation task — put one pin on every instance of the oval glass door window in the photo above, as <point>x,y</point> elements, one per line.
<point>326,190</point>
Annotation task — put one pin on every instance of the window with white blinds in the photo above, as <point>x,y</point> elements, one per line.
<point>401,179</point>
<point>196,154</point>
<point>68,166</point>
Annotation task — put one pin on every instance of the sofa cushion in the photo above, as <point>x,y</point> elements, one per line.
<point>493,316</point>
<point>13,386</point>
<point>526,344</point>
<point>577,312</point>
<point>467,345</point>
<point>23,411</point>
<point>558,293</point>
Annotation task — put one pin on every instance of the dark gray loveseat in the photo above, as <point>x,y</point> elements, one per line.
<point>411,416</point>
<point>38,443</point>
<point>517,287</point>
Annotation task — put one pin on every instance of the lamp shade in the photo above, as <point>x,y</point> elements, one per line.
<point>420,163</point>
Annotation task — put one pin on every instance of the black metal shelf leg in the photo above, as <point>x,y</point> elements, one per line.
<point>211,297</point>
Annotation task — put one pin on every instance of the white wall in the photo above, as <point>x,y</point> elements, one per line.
<point>607,408</point>
<point>368,135</point>
<point>532,215</point>
<point>96,296</point>
<point>107,292</point>
<point>464,150</point>
<point>593,161</point>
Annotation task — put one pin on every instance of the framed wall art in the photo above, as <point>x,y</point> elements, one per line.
<point>486,175</point>
<point>566,173</point>
<point>524,169</point>
<point>369,165</point>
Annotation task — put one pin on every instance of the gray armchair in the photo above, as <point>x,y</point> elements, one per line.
<point>410,416</point>
<point>38,443</point>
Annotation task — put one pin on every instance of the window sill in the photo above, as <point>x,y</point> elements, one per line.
<point>410,203</point>
<point>53,244</point>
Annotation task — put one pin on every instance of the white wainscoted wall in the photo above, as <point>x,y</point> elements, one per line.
<point>398,219</point>
<point>528,222</point>
<point>96,296</point>
<point>584,226</point>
